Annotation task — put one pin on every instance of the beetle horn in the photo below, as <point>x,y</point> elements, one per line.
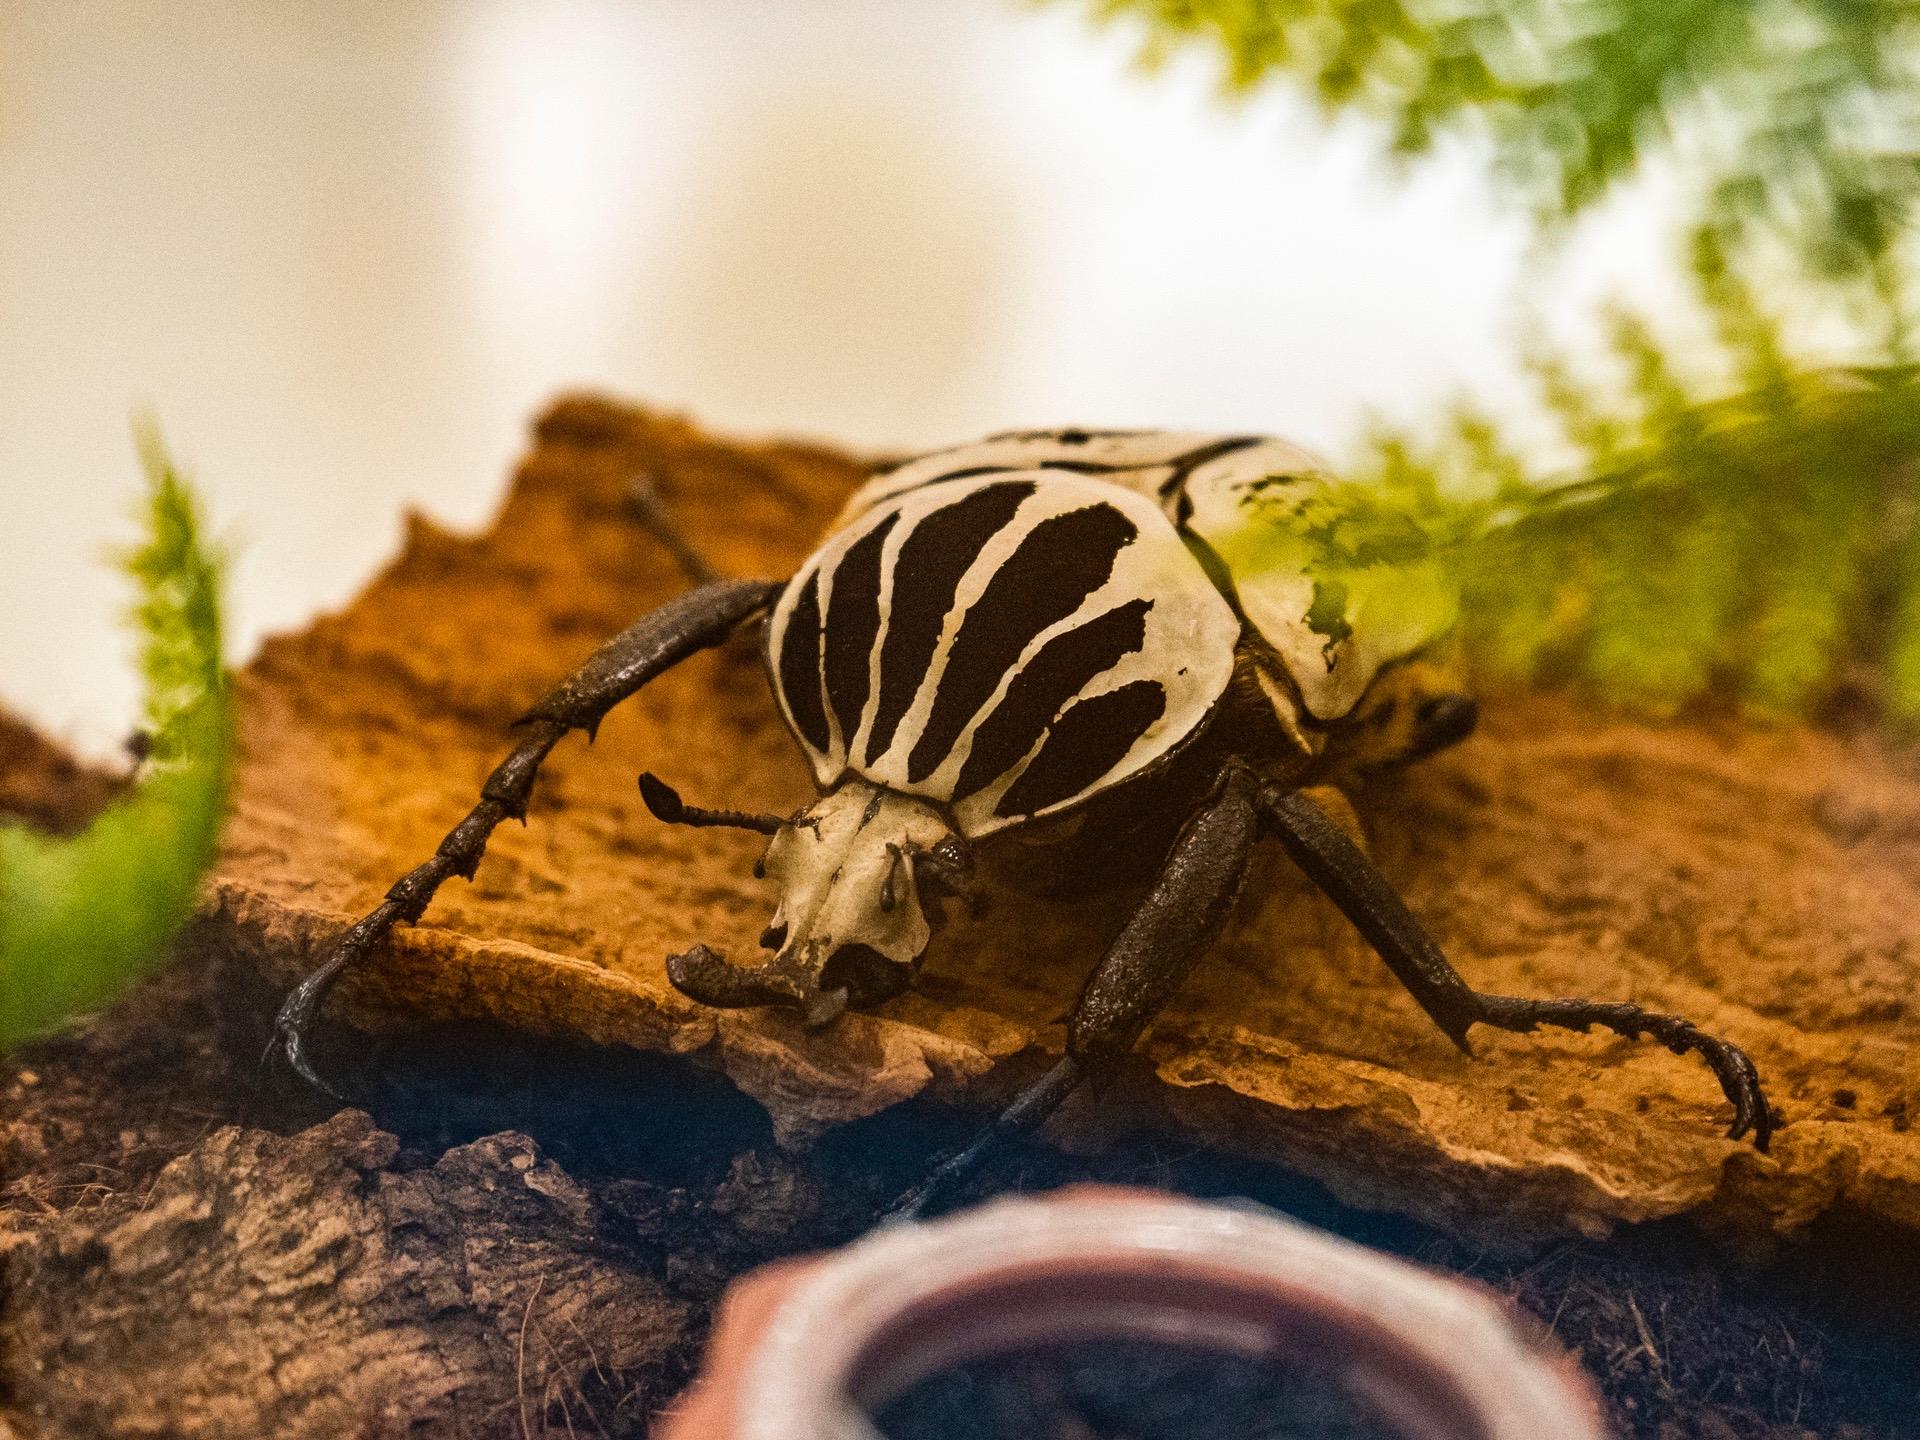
<point>705,975</point>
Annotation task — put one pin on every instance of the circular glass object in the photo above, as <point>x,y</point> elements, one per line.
<point>1412,1353</point>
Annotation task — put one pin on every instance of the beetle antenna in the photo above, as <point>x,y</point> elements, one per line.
<point>665,803</point>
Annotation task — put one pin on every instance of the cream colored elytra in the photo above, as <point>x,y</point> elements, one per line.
<point>991,636</point>
<point>1239,496</point>
<point>1187,640</point>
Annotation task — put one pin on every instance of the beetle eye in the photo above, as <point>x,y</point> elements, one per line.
<point>1442,721</point>
<point>953,853</point>
<point>773,937</point>
<point>946,869</point>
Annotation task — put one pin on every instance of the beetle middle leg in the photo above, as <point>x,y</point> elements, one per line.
<point>1173,927</point>
<point>1342,870</point>
<point>645,649</point>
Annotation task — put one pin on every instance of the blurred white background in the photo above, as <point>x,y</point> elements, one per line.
<point>343,249</point>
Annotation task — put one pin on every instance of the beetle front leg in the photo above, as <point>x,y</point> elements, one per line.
<point>1174,926</point>
<point>1342,870</point>
<point>645,649</point>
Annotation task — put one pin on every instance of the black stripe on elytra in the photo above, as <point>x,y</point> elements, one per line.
<point>1185,465</point>
<point>1074,436</point>
<point>799,666</point>
<point>1063,559</point>
<point>1064,667</point>
<point>1085,743</point>
<point>933,557</point>
<point>1089,467</point>
<point>853,623</point>
<point>1072,467</point>
<point>972,472</point>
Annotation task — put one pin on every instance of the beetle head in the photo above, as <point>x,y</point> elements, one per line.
<point>859,872</point>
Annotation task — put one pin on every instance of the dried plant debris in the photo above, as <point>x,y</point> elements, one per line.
<point>1765,883</point>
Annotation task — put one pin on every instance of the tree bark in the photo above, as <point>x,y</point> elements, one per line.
<point>1762,882</point>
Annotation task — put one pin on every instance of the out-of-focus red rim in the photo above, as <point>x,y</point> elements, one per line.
<point>1436,1358</point>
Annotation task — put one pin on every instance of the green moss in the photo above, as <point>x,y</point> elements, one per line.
<point>81,917</point>
<point>1759,539</point>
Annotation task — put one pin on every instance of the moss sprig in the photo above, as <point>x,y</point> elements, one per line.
<point>81,917</point>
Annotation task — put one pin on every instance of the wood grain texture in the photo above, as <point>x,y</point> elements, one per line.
<point>1765,883</point>
<point>301,1286</point>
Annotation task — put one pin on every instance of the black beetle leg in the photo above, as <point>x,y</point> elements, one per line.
<point>1352,881</point>
<point>645,649</point>
<point>1173,927</point>
<point>1028,1110</point>
<point>650,508</point>
<point>1738,1078</point>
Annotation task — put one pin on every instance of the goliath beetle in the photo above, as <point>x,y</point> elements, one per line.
<point>1048,638</point>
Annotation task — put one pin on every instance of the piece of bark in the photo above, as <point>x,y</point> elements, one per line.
<point>685,1191</point>
<point>92,1118</point>
<point>1765,883</point>
<point>305,1286</point>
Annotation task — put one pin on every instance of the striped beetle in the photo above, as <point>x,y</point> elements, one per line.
<point>1056,638</point>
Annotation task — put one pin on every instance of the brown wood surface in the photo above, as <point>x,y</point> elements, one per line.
<point>1765,882</point>
<point>530,1236</point>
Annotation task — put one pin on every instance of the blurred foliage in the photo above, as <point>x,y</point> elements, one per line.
<point>1755,533</point>
<point>1802,115</point>
<point>1750,532</point>
<point>81,917</point>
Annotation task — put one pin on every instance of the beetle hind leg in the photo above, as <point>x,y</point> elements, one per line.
<point>1343,872</point>
<point>1731,1066</point>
